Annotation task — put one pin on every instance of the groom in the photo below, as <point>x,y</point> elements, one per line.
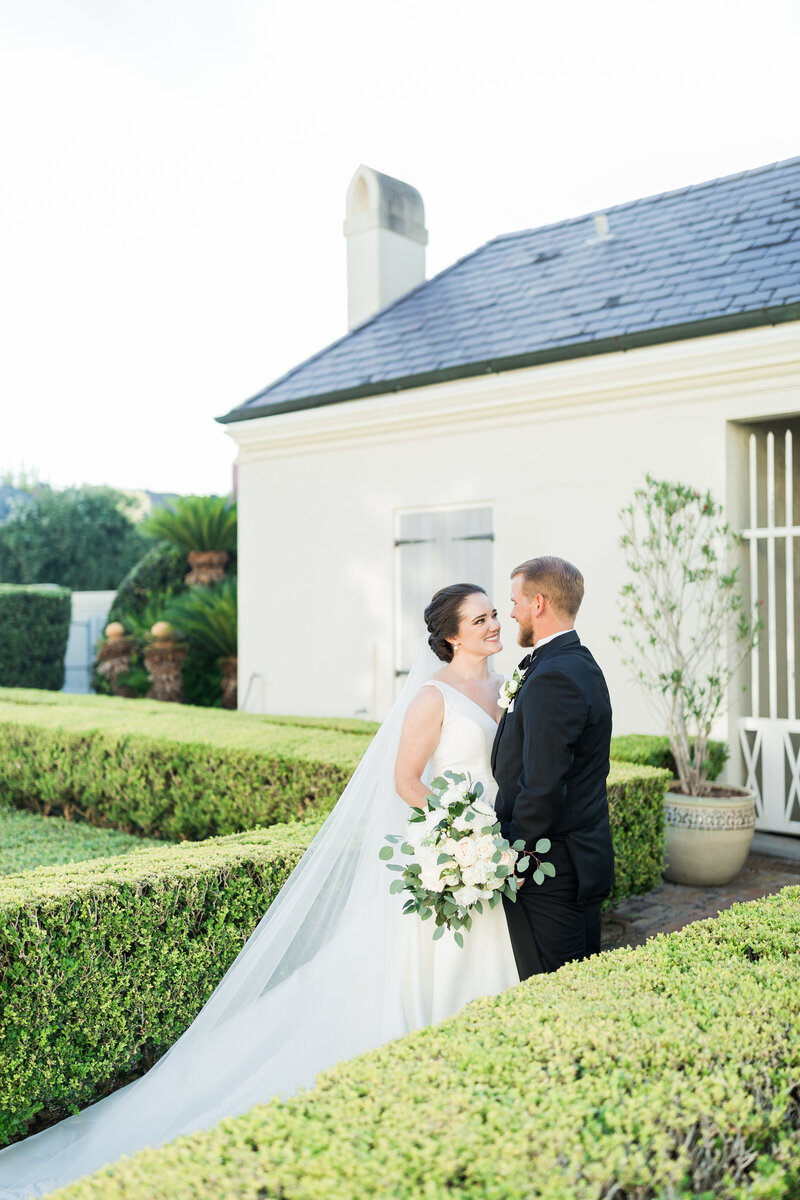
<point>550,761</point>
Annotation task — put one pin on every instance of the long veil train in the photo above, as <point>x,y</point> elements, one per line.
<point>318,981</point>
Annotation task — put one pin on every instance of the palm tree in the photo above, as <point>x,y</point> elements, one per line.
<point>204,527</point>
<point>208,616</point>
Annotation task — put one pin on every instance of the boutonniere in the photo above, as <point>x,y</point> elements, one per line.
<point>508,692</point>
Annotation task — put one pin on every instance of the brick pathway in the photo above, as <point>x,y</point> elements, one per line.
<point>672,905</point>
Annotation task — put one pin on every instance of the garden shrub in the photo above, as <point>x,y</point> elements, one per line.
<point>168,770</point>
<point>653,751</point>
<point>104,963</point>
<point>164,788</point>
<point>666,1071</point>
<point>636,811</point>
<point>160,572</point>
<point>141,600</point>
<point>34,628</point>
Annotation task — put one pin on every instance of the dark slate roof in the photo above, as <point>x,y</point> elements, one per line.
<point>709,258</point>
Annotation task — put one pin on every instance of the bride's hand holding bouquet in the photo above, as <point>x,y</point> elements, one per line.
<point>457,858</point>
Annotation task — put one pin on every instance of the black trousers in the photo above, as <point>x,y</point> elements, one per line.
<point>547,923</point>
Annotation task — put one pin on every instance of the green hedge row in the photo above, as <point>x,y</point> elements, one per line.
<point>167,770</point>
<point>103,964</point>
<point>636,810</point>
<point>170,771</point>
<point>34,628</point>
<point>667,1071</point>
<point>653,751</point>
<point>165,923</point>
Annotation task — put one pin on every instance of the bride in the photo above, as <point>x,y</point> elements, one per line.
<point>334,968</point>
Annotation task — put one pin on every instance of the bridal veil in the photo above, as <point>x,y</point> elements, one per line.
<point>318,981</point>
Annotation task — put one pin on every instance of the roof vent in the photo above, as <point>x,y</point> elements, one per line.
<point>386,239</point>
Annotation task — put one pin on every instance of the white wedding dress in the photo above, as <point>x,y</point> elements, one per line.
<point>333,969</point>
<point>439,977</point>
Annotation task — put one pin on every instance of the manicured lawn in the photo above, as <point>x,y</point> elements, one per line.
<point>28,840</point>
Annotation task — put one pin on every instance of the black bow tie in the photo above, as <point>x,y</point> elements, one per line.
<point>526,662</point>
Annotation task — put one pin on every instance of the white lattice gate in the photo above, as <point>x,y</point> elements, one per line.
<point>770,734</point>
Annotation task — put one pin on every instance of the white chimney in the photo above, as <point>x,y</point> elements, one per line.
<point>386,240</point>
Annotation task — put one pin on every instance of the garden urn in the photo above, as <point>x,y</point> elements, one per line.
<point>708,837</point>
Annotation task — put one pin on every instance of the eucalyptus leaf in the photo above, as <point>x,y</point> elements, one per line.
<point>548,869</point>
<point>407,848</point>
<point>397,885</point>
<point>542,846</point>
<point>458,938</point>
<point>523,863</point>
<point>437,933</point>
<point>538,876</point>
<point>386,852</point>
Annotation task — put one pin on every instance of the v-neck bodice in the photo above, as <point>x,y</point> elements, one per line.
<point>465,743</point>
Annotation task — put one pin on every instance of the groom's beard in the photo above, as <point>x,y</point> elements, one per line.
<point>525,636</point>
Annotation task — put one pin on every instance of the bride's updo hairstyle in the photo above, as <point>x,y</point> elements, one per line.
<point>443,617</point>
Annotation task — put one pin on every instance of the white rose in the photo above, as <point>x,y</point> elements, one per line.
<point>449,846</point>
<point>462,824</point>
<point>507,858</point>
<point>484,846</point>
<point>471,876</point>
<point>485,870</point>
<point>431,878</point>
<point>483,806</point>
<point>465,853</point>
<point>465,897</point>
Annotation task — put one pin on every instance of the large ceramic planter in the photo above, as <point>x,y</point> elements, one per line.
<point>708,837</point>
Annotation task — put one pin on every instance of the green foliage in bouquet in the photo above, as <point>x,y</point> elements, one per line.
<point>459,858</point>
<point>196,523</point>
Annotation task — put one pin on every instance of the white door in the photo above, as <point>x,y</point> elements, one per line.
<point>433,550</point>
<point>770,733</point>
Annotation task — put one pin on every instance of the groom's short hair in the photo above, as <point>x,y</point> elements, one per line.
<point>556,579</point>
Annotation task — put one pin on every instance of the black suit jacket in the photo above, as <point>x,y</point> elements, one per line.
<point>550,759</point>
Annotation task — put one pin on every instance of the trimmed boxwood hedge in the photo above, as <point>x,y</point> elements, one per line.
<point>653,751</point>
<point>667,1071</point>
<point>34,628</point>
<point>167,770</point>
<point>104,963</point>
<point>165,923</point>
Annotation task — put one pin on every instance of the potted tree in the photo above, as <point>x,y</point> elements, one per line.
<point>688,634</point>
<point>204,528</point>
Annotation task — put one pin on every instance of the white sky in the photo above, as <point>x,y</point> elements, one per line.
<point>174,174</point>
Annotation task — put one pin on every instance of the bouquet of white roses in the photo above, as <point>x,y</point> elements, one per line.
<point>458,859</point>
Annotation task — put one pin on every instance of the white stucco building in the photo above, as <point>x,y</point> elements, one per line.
<point>508,408</point>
